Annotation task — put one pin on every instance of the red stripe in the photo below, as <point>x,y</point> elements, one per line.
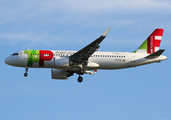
<point>157,43</point>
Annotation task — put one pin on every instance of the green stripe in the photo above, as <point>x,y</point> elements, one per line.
<point>33,57</point>
<point>143,46</point>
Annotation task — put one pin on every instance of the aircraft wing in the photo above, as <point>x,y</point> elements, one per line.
<point>82,55</point>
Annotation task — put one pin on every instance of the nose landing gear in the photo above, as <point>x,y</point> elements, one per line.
<point>26,74</point>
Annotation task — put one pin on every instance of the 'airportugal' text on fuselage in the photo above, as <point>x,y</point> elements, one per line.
<point>87,60</point>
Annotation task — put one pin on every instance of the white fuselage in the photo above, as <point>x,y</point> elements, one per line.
<point>99,60</point>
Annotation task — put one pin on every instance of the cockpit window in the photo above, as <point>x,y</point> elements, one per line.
<point>14,54</point>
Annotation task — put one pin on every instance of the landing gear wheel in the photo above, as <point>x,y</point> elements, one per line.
<point>25,74</point>
<point>81,71</point>
<point>80,79</point>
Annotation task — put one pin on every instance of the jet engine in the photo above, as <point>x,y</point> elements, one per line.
<point>59,74</point>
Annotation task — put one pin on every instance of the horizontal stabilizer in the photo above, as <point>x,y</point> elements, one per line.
<point>156,54</point>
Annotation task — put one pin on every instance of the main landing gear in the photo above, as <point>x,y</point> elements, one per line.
<point>80,79</point>
<point>26,74</point>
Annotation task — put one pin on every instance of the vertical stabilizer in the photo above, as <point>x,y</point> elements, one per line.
<point>152,43</point>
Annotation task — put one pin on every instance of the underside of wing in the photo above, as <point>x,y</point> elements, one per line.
<point>81,57</point>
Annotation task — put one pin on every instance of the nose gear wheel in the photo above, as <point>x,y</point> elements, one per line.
<point>26,74</point>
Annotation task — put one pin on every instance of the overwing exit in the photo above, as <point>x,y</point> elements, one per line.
<point>88,60</point>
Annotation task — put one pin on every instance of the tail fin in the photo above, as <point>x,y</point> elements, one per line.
<point>152,43</point>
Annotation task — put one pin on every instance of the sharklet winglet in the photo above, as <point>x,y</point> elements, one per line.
<point>105,33</point>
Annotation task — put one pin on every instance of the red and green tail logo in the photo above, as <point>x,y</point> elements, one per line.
<point>152,43</point>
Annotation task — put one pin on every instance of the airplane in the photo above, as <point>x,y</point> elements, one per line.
<point>89,59</point>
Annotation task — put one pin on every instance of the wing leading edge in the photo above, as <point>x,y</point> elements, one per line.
<point>81,57</point>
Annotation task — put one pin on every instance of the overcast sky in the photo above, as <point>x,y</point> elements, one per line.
<point>141,93</point>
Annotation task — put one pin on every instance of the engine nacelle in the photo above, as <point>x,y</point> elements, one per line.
<point>62,62</point>
<point>59,74</point>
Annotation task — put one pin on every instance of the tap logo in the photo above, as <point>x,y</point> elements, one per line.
<point>38,57</point>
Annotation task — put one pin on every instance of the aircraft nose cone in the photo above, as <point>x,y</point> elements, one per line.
<point>7,61</point>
